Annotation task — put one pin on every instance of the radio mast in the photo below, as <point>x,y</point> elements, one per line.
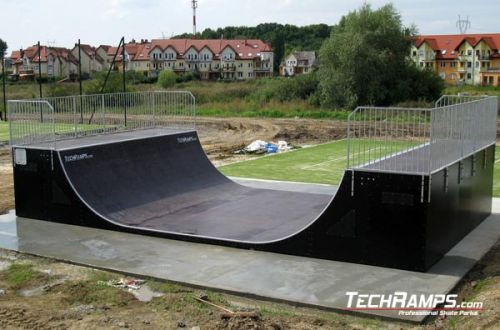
<point>194,5</point>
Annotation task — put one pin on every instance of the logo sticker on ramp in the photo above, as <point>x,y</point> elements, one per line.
<point>77,157</point>
<point>187,139</point>
<point>20,157</point>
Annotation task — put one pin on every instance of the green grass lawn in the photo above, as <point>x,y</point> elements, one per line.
<point>319,164</point>
<point>324,163</point>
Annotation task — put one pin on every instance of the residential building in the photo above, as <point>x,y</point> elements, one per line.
<point>102,51</point>
<point>472,59</point>
<point>136,57</point>
<point>53,61</point>
<point>298,63</point>
<point>91,61</point>
<point>213,58</point>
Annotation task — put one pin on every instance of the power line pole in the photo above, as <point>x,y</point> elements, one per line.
<point>463,24</point>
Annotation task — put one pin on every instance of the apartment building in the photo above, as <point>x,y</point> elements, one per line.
<point>213,59</point>
<point>472,59</point>
<point>91,61</point>
<point>298,63</point>
<point>53,61</point>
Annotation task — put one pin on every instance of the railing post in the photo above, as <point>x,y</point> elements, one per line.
<point>74,116</point>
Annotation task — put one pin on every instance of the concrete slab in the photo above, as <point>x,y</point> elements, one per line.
<point>304,281</point>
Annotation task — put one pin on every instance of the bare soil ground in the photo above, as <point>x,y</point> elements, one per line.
<point>70,297</point>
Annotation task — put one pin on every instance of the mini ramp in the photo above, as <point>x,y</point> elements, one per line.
<point>398,205</point>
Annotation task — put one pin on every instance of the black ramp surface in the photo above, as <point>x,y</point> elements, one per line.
<point>167,184</point>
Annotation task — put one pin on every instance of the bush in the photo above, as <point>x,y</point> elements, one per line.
<point>167,79</point>
<point>58,90</point>
<point>113,85</point>
<point>286,89</point>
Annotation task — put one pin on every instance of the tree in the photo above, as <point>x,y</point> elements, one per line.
<point>365,61</point>
<point>167,79</point>
<point>3,51</point>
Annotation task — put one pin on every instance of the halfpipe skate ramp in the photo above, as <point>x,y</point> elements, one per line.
<point>400,209</point>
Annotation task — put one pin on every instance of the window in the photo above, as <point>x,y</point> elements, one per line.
<point>469,64</point>
<point>414,53</point>
<point>442,64</point>
<point>240,74</point>
<point>469,76</point>
<point>477,64</point>
<point>453,76</point>
<point>469,52</point>
<point>453,64</point>
<point>159,55</point>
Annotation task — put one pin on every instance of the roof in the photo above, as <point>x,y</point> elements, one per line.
<point>32,54</point>
<point>91,52</point>
<point>446,46</point>
<point>244,49</point>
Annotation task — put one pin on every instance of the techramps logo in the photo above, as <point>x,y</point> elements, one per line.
<point>186,139</point>
<point>77,157</point>
<point>413,304</point>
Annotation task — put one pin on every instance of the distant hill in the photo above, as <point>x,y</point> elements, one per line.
<point>282,38</point>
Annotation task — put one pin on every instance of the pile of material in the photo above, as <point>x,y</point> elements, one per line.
<point>263,147</point>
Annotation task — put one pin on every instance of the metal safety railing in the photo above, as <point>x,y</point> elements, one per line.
<point>60,118</point>
<point>420,140</point>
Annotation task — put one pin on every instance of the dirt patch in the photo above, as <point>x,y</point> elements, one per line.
<point>6,181</point>
<point>220,137</point>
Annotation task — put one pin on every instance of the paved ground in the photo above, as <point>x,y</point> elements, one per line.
<point>294,279</point>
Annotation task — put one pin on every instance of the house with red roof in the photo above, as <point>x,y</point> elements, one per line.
<point>136,56</point>
<point>91,61</point>
<point>53,61</point>
<point>472,59</point>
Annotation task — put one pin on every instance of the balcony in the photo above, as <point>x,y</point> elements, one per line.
<point>262,69</point>
<point>228,68</point>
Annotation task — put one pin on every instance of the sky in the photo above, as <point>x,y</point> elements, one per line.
<point>62,22</point>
